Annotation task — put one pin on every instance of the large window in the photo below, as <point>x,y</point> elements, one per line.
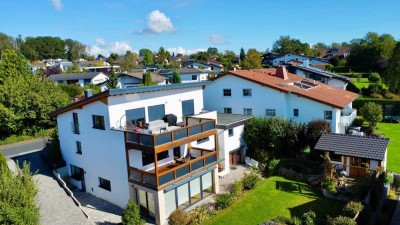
<point>248,111</point>
<point>76,172</point>
<point>156,112</point>
<point>228,110</point>
<point>227,92</point>
<point>146,203</point>
<point>136,116</point>
<point>194,77</point>
<point>148,158</point>
<point>76,123</point>
<point>270,112</point>
<point>295,112</point>
<point>105,184</point>
<point>188,107</point>
<point>247,92</point>
<point>98,122</point>
<point>78,147</point>
<point>328,115</point>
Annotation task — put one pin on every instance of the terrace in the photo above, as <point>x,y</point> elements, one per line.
<point>348,116</point>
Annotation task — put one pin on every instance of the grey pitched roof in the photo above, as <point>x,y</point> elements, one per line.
<point>322,72</point>
<point>73,76</point>
<point>227,121</point>
<point>139,75</point>
<point>356,146</point>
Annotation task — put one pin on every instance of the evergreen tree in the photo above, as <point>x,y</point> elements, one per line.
<point>147,79</point>
<point>112,79</point>
<point>392,74</point>
<point>131,214</point>
<point>242,54</point>
<point>176,78</point>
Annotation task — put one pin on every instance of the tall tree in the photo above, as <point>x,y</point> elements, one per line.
<point>242,54</point>
<point>130,62</point>
<point>252,60</point>
<point>163,56</point>
<point>318,48</point>
<point>6,42</point>
<point>46,47</point>
<point>212,51</point>
<point>201,56</point>
<point>147,56</point>
<point>13,64</point>
<point>112,81</point>
<point>392,74</point>
<point>176,77</point>
<point>285,45</point>
<point>74,49</point>
<point>147,79</point>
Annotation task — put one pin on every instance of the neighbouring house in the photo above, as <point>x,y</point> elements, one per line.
<point>342,53</point>
<point>274,92</point>
<point>79,79</point>
<point>354,154</point>
<point>283,60</point>
<point>155,145</point>
<point>187,74</point>
<point>215,66</point>
<point>192,63</point>
<point>38,65</point>
<point>269,57</point>
<point>231,146</point>
<point>63,65</point>
<point>309,71</point>
<point>135,79</point>
<point>97,66</point>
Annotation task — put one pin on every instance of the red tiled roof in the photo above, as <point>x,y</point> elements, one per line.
<point>322,93</point>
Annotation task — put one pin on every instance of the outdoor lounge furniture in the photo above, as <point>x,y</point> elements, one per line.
<point>250,162</point>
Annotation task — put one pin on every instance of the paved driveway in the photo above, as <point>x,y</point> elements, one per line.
<point>56,207</point>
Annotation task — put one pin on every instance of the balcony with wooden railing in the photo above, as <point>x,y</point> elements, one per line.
<point>179,169</point>
<point>169,139</point>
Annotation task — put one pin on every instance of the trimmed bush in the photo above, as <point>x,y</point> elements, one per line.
<point>353,88</point>
<point>273,166</point>
<point>250,180</point>
<point>329,186</point>
<point>223,201</point>
<point>237,189</point>
<point>200,214</point>
<point>360,102</point>
<point>396,181</point>
<point>352,208</point>
<point>341,220</point>
<point>131,215</point>
<point>179,217</point>
<point>358,121</point>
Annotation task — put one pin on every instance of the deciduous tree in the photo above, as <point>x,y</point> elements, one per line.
<point>130,62</point>
<point>212,51</point>
<point>13,64</point>
<point>372,113</point>
<point>252,60</point>
<point>148,58</point>
<point>392,73</point>
<point>176,77</point>
<point>286,44</point>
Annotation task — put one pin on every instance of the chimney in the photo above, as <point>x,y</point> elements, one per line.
<point>88,93</point>
<point>281,73</point>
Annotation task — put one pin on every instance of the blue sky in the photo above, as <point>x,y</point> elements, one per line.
<point>189,25</point>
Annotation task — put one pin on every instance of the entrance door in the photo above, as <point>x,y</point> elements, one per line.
<point>235,157</point>
<point>146,203</point>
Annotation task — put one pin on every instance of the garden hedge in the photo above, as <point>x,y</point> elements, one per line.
<point>358,103</point>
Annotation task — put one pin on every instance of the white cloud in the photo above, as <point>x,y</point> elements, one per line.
<point>157,23</point>
<point>57,4</point>
<point>184,51</point>
<point>105,48</point>
<point>217,39</point>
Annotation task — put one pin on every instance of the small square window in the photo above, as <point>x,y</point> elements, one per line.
<point>228,110</point>
<point>78,148</point>
<point>328,115</point>
<point>247,111</point>
<point>105,184</point>
<point>227,92</point>
<point>98,122</point>
<point>230,132</point>
<point>247,92</point>
<point>270,112</point>
<point>296,112</point>
<point>194,77</point>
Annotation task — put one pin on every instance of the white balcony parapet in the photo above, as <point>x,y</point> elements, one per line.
<point>348,117</point>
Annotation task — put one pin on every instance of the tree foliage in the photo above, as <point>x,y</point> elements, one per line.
<point>71,90</point>
<point>147,79</point>
<point>25,101</point>
<point>112,81</point>
<point>6,42</point>
<point>131,214</point>
<point>163,57</point>
<point>252,60</point>
<point>43,48</point>
<point>372,113</point>
<point>242,55</point>
<point>314,131</point>
<point>148,58</point>
<point>226,59</point>
<point>286,44</point>
<point>74,49</point>
<point>392,74</point>
<point>176,77</point>
<point>212,51</point>
<point>130,62</point>
<point>18,196</point>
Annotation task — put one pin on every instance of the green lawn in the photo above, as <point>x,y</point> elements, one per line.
<point>392,131</point>
<point>360,82</point>
<point>276,196</point>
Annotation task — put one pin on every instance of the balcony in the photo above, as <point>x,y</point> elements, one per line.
<point>174,171</point>
<point>170,137</point>
<point>348,116</point>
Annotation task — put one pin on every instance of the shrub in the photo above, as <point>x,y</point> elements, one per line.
<point>353,88</point>
<point>314,130</point>
<point>273,166</point>
<point>131,215</point>
<point>377,96</point>
<point>358,121</point>
<point>250,180</point>
<point>236,189</point>
<point>282,220</point>
<point>388,178</point>
<point>392,194</point>
<point>341,220</point>
<point>296,221</point>
<point>352,208</point>
<point>200,214</point>
<point>223,201</point>
<point>309,218</point>
<point>71,90</point>
<point>179,217</point>
<point>396,181</point>
<point>372,113</point>
<point>329,186</point>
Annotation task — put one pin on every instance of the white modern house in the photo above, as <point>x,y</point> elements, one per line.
<point>155,145</point>
<point>296,57</point>
<point>275,92</point>
<point>187,74</point>
<point>135,79</point>
<point>80,79</point>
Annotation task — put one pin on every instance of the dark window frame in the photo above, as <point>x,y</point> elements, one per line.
<point>246,110</point>
<point>149,158</point>
<point>194,76</point>
<point>78,147</point>
<point>75,123</point>
<point>228,110</point>
<point>227,92</point>
<point>98,122</point>
<point>270,112</point>
<point>230,132</point>
<point>328,114</point>
<point>247,92</point>
<point>295,112</point>
<point>76,172</point>
<point>105,184</point>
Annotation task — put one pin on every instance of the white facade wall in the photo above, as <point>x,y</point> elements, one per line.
<point>227,143</point>
<point>187,77</point>
<point>337,83</point>
<point>103,152</point>
<point>289,57</point>
<point>265,98</point>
